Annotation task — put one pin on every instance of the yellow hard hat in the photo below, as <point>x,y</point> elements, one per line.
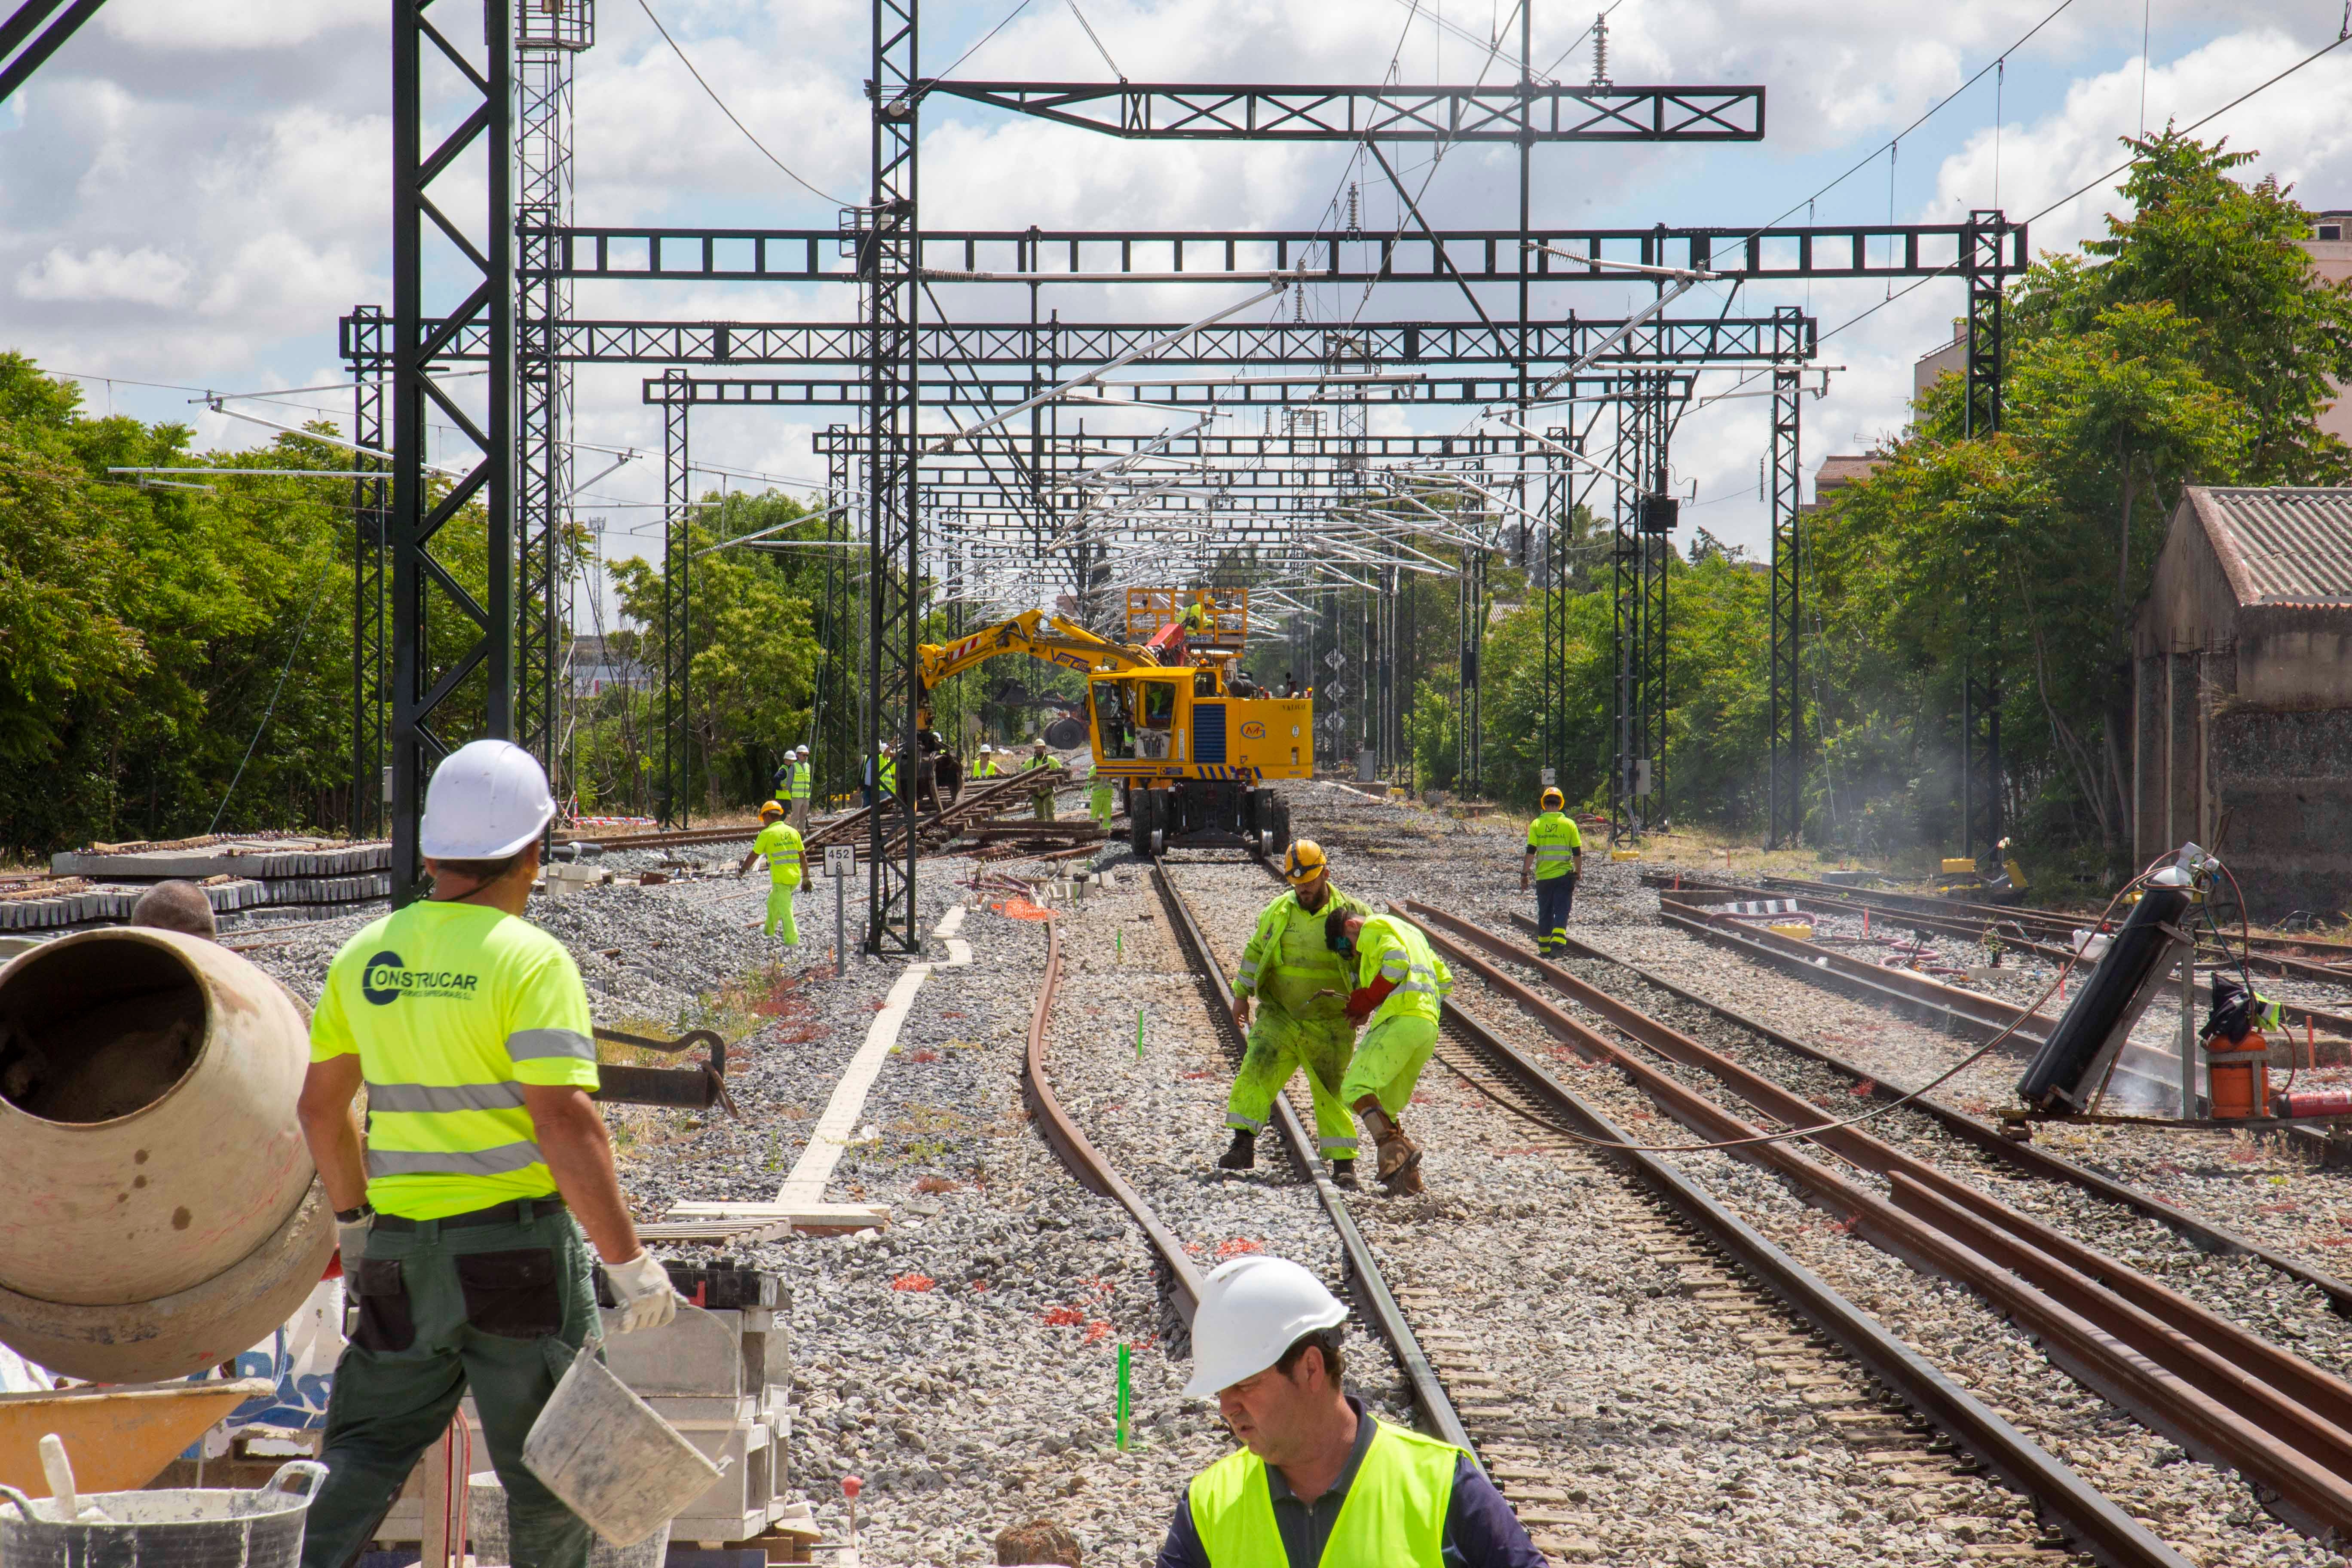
<point>1305,862</point>
<point>768,809</point>
<point>1553,800</point>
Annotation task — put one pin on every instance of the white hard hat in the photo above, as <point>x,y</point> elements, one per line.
<point>486,800</point>
<point>1253,1310</point>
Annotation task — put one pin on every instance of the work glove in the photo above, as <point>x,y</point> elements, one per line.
<point>642,1289</point>
<point>1364,999</point>
<point>351,1237</point>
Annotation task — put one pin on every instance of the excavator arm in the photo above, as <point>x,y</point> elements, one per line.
<point>1041,637</point>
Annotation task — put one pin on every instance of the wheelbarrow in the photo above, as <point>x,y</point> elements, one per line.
<point>123,1434</point>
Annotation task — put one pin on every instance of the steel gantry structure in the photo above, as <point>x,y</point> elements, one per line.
<point>504,305</point>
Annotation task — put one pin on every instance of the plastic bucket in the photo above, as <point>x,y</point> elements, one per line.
<point>612,1460</point>
<point>174,1529</point>
<point>486,1527</point>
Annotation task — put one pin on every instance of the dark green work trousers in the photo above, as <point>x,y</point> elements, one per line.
<point>497,1308</point>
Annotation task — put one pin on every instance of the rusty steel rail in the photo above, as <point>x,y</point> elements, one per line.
<point>1370,1288</point>
<point>2223,1394</point>
<point>1085,1161</point>
<point>2085,1514</point>
<point>2030,1158</point>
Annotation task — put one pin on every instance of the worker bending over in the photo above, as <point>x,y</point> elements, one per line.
<point>1555,852</point>
<point>780,843</point>
<point>1398,985</point>
<point>1301,985</point>
<point>1319,1478</point>
<point>459,1218</point>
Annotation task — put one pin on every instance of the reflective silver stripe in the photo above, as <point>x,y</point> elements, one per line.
<point>1336,1146</point>
<point>1416,985</point>
<point>1244,1125</point>
<point>1544,855</point>
<point>1394,967</point>
<point>536,1045</point>
<point>498,1162</point>
<point>445,1096</point>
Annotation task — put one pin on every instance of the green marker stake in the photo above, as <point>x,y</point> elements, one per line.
<point>1126,1399</point>
<point>1138,1034</point>
<point>1118,947</point>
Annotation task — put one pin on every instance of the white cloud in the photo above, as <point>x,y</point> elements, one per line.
<point>142,277</point>
<point>242,25</point>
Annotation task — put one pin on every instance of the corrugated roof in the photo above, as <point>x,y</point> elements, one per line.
<point>2281,546</point>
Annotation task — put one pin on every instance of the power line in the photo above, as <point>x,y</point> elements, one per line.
<point>730,113</point>
<point>985,37</point>
<point>1097,43</point>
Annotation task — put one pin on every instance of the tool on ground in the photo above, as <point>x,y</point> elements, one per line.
<point>613,1461</point>
<point>696,1087</point>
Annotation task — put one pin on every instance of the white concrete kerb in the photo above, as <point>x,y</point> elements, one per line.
<point>836,1128</point>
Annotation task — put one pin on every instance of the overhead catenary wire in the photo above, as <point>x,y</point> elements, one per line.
<point>789,172</point>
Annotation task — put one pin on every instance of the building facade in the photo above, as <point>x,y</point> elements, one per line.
<point>2242,694</point>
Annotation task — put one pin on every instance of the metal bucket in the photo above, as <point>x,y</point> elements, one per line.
<point>612,1460</point>
<point>486,1527</point>
<point>174,1529</point>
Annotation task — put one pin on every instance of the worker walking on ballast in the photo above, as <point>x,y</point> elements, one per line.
<point>1302,987</point>
<point>1400,983</point>
<point>780,843</point>
<point>1319,1478</point>
<point>460,1215</point>
<point>1555,854</point>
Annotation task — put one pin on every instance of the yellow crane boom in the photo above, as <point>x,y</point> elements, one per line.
<point>1038,635</point>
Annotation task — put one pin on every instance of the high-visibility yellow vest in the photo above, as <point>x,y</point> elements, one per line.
<point>780,843</point>
<point>1393,1515</point>
<point>1395,951</point>
<point>452,1008</point>
<point>888,774</point>
<point>800,782</point>
<point>1286,962</point>
<point>1554,839</point>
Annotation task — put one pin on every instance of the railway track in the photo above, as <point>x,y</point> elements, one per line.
<point>1909,1426</point>
<point>2220,1391</point>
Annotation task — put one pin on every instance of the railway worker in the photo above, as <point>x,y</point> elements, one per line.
<point>1045,764</point>
<point>177,905</point>
<point>1300,986</point>
<point>1318,1478</point>
<point>797,788</point>
<point>886,773</point>
<point>779,841</point>
<point>1102,800</point>
<point>1398,985</point>
<point>1555,854</point>
<point>459,1216</point>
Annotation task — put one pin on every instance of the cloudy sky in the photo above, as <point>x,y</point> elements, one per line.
<point>190,194</point>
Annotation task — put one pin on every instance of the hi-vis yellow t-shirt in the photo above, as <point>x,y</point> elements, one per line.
<point>451,1009</point>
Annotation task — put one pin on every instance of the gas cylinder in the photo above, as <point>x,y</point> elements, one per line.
<point>2238,1075</point>
<point>158,1208</point>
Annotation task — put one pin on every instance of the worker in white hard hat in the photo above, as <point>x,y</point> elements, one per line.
<point>796,786</point>
<point>459,1212</point>
<point>1301,987</point>
<point>1319,1478</point>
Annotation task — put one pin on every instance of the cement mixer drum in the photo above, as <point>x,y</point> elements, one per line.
<point>156,1200</point>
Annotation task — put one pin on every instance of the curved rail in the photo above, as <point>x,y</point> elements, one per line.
<point>1363,1269</point>
<point>2220,1391</point>
<point>1085,1161</point>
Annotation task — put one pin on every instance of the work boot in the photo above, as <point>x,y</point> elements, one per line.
<point>1396,1152</point>
<point>1407,1182</point>
<point>1241,1154</point>
<point>1343,1172</point>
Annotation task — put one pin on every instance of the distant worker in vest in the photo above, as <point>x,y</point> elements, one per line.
<point>1319,1478</point>
<point>1555,854</point>
<point>1041,790</point>
<point>887,772</point>
<point>459,1212</point>
<point>1300,986</point>
<point>1398,985</point>
<point>796,788</point>
<point>779,841</point>
<point>1102,800</point>
<point>988,768</point>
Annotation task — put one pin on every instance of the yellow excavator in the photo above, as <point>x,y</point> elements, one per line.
<point>1190,738</point>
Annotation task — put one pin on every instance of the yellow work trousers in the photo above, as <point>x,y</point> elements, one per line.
<point>1388,1062</point>
<point>1279,1044</point>
<point>780,912</point>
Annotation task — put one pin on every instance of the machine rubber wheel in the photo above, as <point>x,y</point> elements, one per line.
<point>1140,814</point>
<point>1281,826</point>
